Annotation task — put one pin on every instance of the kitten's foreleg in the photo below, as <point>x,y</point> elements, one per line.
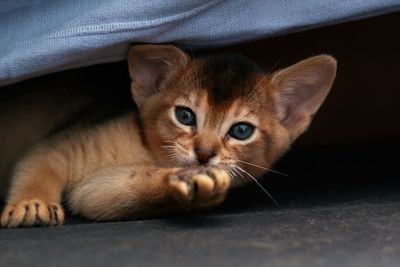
<point>35,193</point>
<point>131,192</point>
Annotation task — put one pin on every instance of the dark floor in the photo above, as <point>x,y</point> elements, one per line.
<point>341,207</point>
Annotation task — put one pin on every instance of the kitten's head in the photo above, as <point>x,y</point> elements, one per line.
<point>223,110</point>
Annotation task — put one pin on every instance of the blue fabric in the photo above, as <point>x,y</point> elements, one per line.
<point>42,36</point>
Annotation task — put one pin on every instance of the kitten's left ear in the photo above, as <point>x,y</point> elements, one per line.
<point>150,65</point>
<point>302,88</point>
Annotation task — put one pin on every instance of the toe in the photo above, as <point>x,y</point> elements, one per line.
<point>5,216</point>
<point>205,186</point>
<point>17,217</point>
<point>181,189</point>
<point>29,214</point>
<point>221,178</point>
<point>42,214</point>
<point>56,214</point>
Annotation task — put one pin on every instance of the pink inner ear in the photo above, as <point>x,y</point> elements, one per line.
<point>301,100</point>
<point>147,73</point>
<point>149,65</point>
<point>303,88</point>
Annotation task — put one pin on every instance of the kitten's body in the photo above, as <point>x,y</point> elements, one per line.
<point>33,111</point>
<point>146,161</point>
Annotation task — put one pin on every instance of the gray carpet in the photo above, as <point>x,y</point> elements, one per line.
<point>347,216</point>
<point>360,234</point>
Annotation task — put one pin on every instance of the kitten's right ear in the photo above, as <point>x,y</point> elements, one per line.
<point>150,65</point>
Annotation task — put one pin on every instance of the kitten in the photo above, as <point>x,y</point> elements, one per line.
<point>200,124</point>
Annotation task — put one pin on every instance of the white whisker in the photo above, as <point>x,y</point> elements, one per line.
<point>265,190</point>
<point>238,172</point>
<point>233,175</point>
<point>234,171</point>
<point>262,167</point>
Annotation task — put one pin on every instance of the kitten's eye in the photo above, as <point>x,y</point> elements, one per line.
<point>185,116</point>
<point>241,130</point>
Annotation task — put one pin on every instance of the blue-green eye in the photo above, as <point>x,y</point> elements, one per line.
<point>185,115</point>
<point>241,130</point>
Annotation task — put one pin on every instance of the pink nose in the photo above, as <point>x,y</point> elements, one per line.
<point>204,154</point>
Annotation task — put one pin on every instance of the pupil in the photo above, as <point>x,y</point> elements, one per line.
<point>186,115</point>
<point>241,131</point>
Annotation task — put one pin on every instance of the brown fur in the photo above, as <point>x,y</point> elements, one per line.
<point>144,162</point>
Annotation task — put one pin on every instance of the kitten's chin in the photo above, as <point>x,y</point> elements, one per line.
<point>191,164</point>
<point>188,164</point>
<point>214,162</point>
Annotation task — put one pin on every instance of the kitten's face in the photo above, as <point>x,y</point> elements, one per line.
<point>220,118</point>
<point>223,111</point>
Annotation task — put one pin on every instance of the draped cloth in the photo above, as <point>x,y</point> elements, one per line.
<point>44,36</point>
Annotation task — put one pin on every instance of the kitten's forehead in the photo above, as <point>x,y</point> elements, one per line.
<point>226,78</point>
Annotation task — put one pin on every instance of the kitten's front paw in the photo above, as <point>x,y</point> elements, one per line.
<point>32,212</point>
<point>199,186</point>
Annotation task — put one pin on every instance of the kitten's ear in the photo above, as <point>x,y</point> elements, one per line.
<point>302,88</point>
<point>150,65</point>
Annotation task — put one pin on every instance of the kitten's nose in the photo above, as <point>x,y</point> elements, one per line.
<point>204,154</point>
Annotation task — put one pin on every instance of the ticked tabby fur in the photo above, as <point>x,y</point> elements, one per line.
<point>200,124</point>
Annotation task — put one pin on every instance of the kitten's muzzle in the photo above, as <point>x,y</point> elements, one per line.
<point>204,154</point>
